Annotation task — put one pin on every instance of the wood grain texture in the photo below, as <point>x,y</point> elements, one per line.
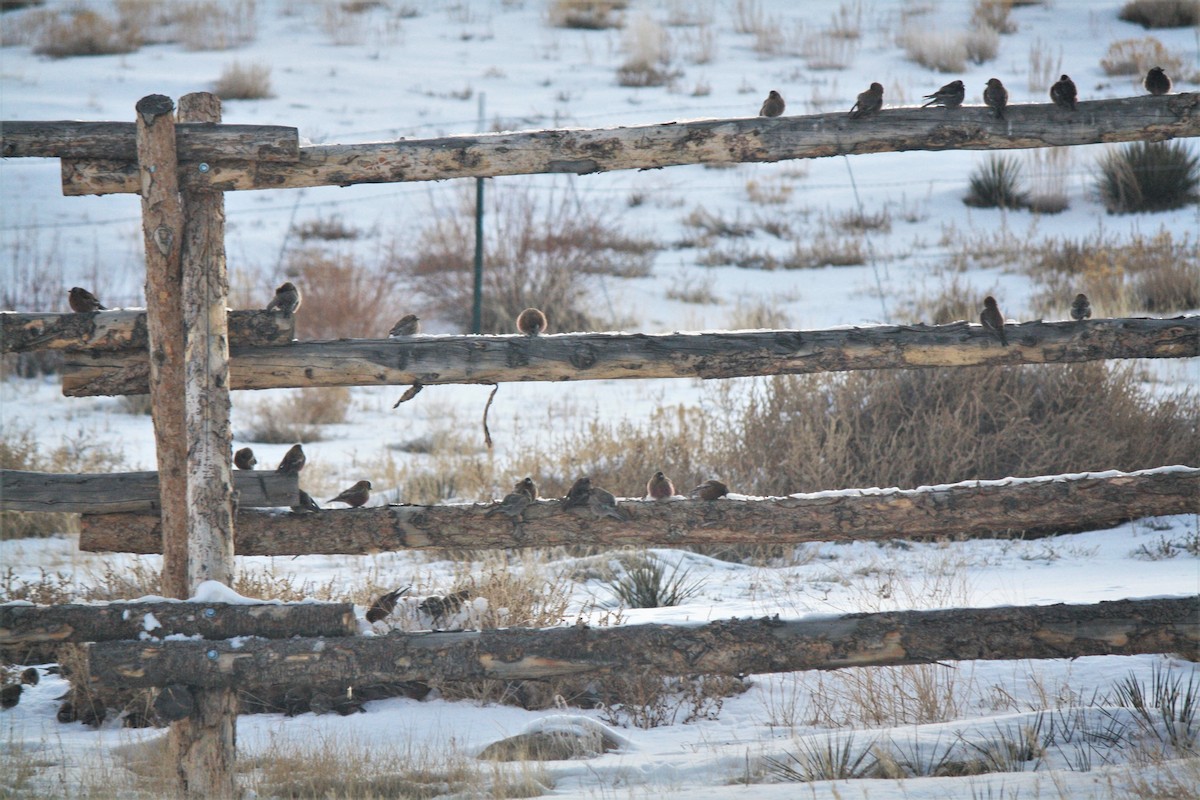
<point>195,141</point>
<point>431,360</point>
<point>582,151</point>
<point>74,624</point>
<point>127,492</point>
<point>729,647</point>
<point>973,508</point>
<point>126,330</point>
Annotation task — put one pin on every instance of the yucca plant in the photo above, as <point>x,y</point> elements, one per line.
<point>997,184</point>
<point>1148,176</point>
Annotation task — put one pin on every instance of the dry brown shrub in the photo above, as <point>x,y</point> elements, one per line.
<point>298,417</point>
<point>545,255</point>
<point>586,14</point>
<point>1137,56</point>
<point>84,33</point>
<point>212,25</point>
<point>343,298</point>
<point>1146,274</point>
<point>1161,13</point>
<point>244,82</point>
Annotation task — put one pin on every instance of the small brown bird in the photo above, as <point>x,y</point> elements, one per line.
<point>577,495</point>
<point>293,461</point>
<point>995,96</point>
<point>409,325</point>
<point>710,490</point>
<point>528,487</point>
<point>1156,82</point>
<point>305,504</point>
<point>385,605</point>
<point>83,301</point>
<point>868,102</point>
<point>439,606</point>
<point>287,299</point>
<point>1064,94</point>
<point>773,106</point>
<point>531,322</point>
<point>244,459</point>
<point>1081,309</point>
<point>30,676</point>
<point>949,96</point>
<point>659,486</point>
<point>10,695</point>
<point>513,505</point>
<point>603,504</point>
<point>992,319</point>
<point>357,495</point>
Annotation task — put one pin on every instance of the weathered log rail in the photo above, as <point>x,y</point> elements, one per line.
<point>971,508</point>
<point>604,356</point>
<point>125,330</point>
<point>703,141</point>
<point>195,141</point>
<point>730,647</point>
<point>74,624</point>
<point>127,492</point>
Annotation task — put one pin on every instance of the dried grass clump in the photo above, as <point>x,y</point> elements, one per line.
<point>940,51</point>
<point>213,25</point>
<point>997,183</point>
<point>1137,56</point>
<point>1161,13</point>
<point>84,33</point>
<point>298,417</point>
<point>648,61</point>
<point>1149,176</point>
<point>588,15</point>
<point>1157,274</point>
<point>538,251</point>
<point>244,82</point>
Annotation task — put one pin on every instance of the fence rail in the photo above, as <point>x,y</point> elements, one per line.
<point>729,647</point>
<point>125,330</point>
<point>706,141</point>
<point>127,492</point>
<point>972,508</point>
<point>605,356</point>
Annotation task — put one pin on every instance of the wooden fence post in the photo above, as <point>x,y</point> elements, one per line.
<point>162,226</point>
<point>204,745</point>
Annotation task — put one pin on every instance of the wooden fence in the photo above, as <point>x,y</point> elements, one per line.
<point>188,352</point>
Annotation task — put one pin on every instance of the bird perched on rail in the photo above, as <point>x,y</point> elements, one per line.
<point>995,96</point>
<point>949,96</point>
<point>513,505</point>
<point>773,106</point>
<point>710,490</point>
<point>293,461</point>
<point>244,459</point>
<point>659,486</point>
<point>1064,94</point>
<point>409,325</point>
<point>868,102</point>
<point>1157,82</point>
<point>602,503</point>
<point>356,496</point>
<point>287,299</point>
<point>83,301</point>
<point>10,695</point>
<point>577,495</point>
<point>531,322</point>
<point>305,504</point>
<point>385,604</point>
<point>528,487</point>
<point>992,319</point>
<point>1081,309</point>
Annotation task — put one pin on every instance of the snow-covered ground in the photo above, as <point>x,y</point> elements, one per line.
<point>425,74</point>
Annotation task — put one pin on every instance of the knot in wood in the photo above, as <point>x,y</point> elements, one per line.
<point>164,237</point>
<point>584,356</point>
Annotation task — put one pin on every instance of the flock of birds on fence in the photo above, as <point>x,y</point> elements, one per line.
<point>951,96</point>
<point>530,322</point>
